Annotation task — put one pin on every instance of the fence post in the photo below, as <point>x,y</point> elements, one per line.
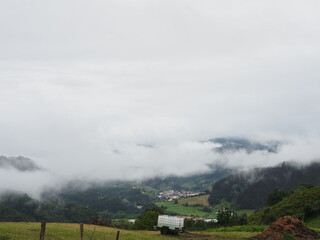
<point>81,231</point>
<point>118,234</point>
<point>43,229</point>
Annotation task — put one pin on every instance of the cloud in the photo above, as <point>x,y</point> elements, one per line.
<point>32,183</point>
<point>137,30</point>
<point>136,162</point>
<point>84,86</point>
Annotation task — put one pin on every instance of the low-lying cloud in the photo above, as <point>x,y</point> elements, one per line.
<point>137,162</point>
<point>106,90</point>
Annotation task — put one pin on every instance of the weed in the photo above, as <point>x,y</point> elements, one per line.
<point>245,228</point>
<point>91,234</point>
<point>288,236</point>
<point>5,237</point>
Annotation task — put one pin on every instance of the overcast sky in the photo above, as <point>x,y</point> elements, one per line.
<point>87,86</point>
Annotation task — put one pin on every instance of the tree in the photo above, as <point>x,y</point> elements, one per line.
<point>276,196</point>
<point>226,217</point>
<point>148,220</point>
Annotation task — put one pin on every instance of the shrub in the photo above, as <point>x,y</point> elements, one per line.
<point>194,225</point>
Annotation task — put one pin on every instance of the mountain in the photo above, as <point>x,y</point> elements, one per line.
<point>237,144</point>
<point>204,181</point>
<point>249,190</point>
<point>18,163</point>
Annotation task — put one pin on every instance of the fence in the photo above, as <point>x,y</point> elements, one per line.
<point>43,230</point>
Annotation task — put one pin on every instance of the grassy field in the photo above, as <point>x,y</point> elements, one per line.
<point>178,208</point>
<point>203,199</point>
<point>245,228</point>
<point>61,231</point>
<point>182,210</point>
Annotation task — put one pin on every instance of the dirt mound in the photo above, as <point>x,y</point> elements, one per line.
<point>286,228</point>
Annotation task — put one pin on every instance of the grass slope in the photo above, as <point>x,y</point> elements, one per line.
<point>314,223</point>
<point>294,205</point>
<point>63,231</point>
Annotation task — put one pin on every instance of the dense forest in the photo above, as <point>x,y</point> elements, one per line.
<point>249,190</point>
<point>16,207</point>
<point>76,205</point>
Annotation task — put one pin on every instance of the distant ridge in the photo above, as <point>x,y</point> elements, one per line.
<point>233,144</point>
<point>19,163</point>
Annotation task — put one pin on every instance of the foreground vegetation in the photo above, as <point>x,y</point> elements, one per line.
<point>67,231</point>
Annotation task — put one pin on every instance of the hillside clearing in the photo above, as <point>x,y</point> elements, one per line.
<point>200,200</point>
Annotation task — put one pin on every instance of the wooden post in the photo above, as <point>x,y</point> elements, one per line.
<point>118,234</point>
<point>43,229</point>
<point>81,231</point>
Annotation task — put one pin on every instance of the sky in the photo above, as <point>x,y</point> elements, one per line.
<point>104,90</point>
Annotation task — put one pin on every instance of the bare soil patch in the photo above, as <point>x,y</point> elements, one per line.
<point>286,228</point>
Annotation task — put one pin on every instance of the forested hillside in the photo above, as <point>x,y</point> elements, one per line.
<point>197,182</point>
<point>118,200</point>
<point>17,207</point>
<point>75,204</point>
<point>249,190</point>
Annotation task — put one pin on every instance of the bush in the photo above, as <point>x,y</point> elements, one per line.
<point>122,223</point>
<point>194,225</point>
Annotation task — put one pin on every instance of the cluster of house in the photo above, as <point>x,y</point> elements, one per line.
<point>211,220</point>
<point>207,220</point>
<point>171,195</point>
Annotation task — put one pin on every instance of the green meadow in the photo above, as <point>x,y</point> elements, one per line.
<point>198,211</point>
<point>171,207</point>
<point>64,231</point>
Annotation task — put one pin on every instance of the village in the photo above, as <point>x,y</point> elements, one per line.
<point>171,195</point>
